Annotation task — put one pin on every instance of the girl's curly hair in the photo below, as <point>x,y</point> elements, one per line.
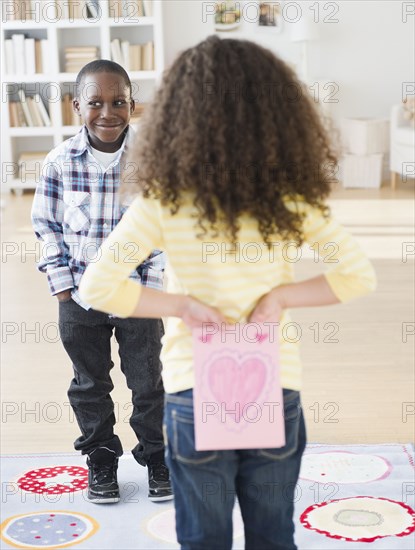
<point>233,126</point>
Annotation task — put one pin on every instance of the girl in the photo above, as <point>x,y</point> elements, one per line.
<point>231,153</point>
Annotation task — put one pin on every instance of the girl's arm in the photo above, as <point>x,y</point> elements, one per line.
<point>154,303</point>
<point>349,273</point>
<point>313,292</point>
<point>106,285</point>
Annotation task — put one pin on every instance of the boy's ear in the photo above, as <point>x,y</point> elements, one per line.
<point>76,106</point>
<point>132,106</point>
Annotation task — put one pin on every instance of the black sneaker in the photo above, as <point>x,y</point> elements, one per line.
<point>102,477</point>
<point>159,487</point>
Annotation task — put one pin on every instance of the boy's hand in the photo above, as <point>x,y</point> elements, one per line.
<point>269,308</point>
<point>195,313</point>
<point>64,296</point>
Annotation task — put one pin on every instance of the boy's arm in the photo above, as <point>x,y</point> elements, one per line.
<point>47,218</point>
<point>151,271</point>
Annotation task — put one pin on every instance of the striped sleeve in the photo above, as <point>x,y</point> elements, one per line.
<point>106,285</point>
<point>349,272</point>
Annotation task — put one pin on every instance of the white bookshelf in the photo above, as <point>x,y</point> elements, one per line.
<point>53,84</point>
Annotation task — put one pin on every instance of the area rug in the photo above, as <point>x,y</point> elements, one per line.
<point>354,497</point>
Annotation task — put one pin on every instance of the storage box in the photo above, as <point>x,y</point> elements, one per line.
<point>365,136</point>
<point>361,170</point>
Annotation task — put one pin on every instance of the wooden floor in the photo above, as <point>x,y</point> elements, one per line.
<point>358,359</point>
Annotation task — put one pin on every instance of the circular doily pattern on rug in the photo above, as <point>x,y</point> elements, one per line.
<point>343,467</point>
<point>362,519</point>
<point>48,529</point>
<point>162,526</point>
<point>54,480</point>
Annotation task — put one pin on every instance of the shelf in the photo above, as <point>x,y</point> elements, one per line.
<point>24,25</point>
<point>31,131</point>
<point>142,75</point>
<point>75,24</point>
<point>70,130</point>
<point>54,83</point>
<point>142,22</point>
<point>28,184</point>
<point>27,78</point>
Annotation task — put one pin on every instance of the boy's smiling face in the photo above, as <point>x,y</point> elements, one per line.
<point>106,105</point>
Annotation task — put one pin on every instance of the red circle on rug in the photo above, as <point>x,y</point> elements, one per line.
<point>54,480</point>
<point>352,519</point>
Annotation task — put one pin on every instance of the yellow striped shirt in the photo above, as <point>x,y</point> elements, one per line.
<point>229,277</point>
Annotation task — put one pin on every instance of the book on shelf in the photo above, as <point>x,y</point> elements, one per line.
<point>129,10</point>
<point>17,118</point>
<point>78,9</point>
<point>38,56</point>
<point>34,113</point>
<point>28,111</point>
<point>30,56</point>
<point>23,10</point>
<point>19,52</point>
<point>148,8</point>
<point>19,10</point>
<point>30,164</point>
<point>27,10</point>
<point>43,112</point>
<point>78,56</point>
<point>25,107</point>
<point>133,57</point>
<point>93,8</point>
<point>147,56</point>
<point>69,117</point>
<point>25,55</point>
<point>10,67</point>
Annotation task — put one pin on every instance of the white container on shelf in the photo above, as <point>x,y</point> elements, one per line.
<point>363,171</point>
<point>365,136</point>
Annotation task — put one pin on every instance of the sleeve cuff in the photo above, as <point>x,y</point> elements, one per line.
<point>60,279</point>
<point>348,288</point>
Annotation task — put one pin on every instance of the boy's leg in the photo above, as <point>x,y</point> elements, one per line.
<point>203,481</point>
<point>139,348</point>
<point>86,337</point>
<point>267,484</point>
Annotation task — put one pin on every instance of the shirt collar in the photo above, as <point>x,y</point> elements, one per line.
<point>80,142</point>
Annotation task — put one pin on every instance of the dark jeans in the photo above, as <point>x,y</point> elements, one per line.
<point>86,336</point>
<point>205,483</point>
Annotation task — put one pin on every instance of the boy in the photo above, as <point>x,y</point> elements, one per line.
<point>75,208</point>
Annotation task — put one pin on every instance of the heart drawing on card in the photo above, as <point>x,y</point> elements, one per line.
<point>236,383</point>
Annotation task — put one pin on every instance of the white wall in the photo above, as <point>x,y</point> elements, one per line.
<point>369,52</point>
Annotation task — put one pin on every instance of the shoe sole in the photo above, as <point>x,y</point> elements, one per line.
<point>111,500</point>
<point>160,499</point>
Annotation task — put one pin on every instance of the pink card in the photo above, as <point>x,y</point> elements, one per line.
<point>238,401</point>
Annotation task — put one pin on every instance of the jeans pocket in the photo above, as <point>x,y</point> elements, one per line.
<point>183,441</point>
<point>292,418</point>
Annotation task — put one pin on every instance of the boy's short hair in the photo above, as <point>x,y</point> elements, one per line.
<point>102,66</point>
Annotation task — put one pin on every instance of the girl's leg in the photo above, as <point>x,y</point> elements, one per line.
<point>267,484</point>
<point>203,481</point>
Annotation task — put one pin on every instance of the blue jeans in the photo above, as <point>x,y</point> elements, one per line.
<point>205,483</point>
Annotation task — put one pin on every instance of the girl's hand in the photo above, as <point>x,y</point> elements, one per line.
<point>269,308</point>
<point>196,313</point>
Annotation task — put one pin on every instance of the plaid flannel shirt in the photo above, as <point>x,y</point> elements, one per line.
<point>76,206</point>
